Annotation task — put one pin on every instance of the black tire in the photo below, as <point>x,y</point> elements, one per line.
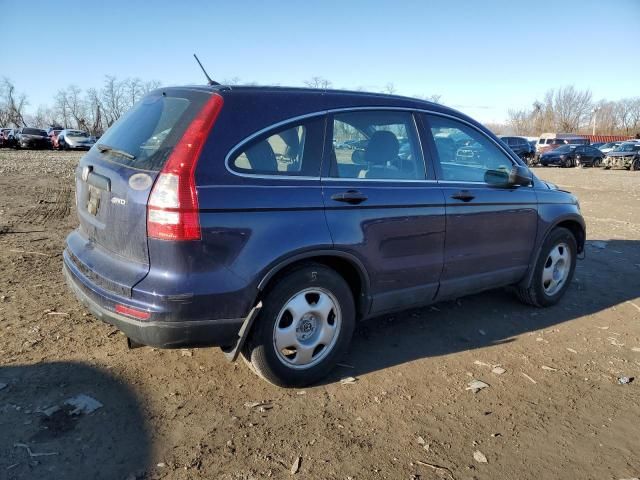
<point>260,349</point>
<point>535,293</point>
<point>597,163</point>
<point>635,165</point>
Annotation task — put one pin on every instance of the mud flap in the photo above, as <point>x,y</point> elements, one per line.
<point>232,352</point>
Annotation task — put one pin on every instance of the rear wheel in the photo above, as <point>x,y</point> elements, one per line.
<point>597,163</point>
<point>553,271</point>
<point>305,326</point>
<point>635,165</point>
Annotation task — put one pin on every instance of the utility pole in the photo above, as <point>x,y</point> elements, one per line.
<point>594,111</point>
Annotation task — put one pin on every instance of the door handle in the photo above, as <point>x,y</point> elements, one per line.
<point>353,197</point>
<point>464,195</point>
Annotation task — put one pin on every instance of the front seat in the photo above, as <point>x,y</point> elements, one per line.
<point>382,150</point>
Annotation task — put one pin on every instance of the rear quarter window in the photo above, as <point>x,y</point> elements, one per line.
<point>294,150</point>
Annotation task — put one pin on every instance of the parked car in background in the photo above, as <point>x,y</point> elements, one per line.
<point>563,156</point>
<point>607,147</point>
<point>173,235</point>
<point>597,144</point>
<point>550,141</point>
<point>53,136</point>
<point>54,127</point>
<point>69,139</point>
<point>27,137</point>
<point>6,137</point>
<point>626,155</point>
<point>521,147</point>
<point>588,156</point>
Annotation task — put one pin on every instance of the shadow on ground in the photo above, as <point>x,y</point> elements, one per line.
<point>111,442</point>
<point>608,276</point>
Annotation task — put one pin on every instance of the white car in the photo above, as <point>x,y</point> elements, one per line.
<point>69,139</point>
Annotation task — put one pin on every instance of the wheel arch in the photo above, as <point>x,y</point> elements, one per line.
<point>346,264</point>
<point>575,224</point>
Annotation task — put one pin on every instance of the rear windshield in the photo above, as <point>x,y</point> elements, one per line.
<point>149,130</point>
<point>34,131</point>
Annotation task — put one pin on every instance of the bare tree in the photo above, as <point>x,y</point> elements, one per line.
<point>94,111</point>
<point>12,104</point>
<point>113,99</point>
<point>435,98</point>
<point>61,108</point>
<point>150,85</point>
<point>318,82</point>
<point>520,121</point>
<point>77,107</point>
<point>572,108</point>
<point>44,117</point>
<point>389,88</point>
<point>134,90</point>
<point>563,110</point>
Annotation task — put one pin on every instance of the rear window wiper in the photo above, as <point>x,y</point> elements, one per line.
<point>106,148</point>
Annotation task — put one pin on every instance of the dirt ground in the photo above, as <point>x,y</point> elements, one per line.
<point>556,412</point>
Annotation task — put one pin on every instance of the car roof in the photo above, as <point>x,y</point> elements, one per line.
<point>327,98</point>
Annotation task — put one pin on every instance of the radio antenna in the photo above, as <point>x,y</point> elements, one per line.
<point>209,81</point>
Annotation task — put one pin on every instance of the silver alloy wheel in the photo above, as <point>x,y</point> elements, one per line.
<point>307,328</point>
<point>556,268</point>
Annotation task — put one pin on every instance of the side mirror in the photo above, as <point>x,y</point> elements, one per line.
<point>520,176</point>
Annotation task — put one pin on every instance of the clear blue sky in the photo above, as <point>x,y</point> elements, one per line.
<point>483,57</point>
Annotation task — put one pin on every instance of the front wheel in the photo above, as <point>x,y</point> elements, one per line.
<point>553,271</point>
<point>635,165</point>
<point>305,326</point>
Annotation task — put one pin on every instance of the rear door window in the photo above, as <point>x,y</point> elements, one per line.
<point>381,145</point>
<point>151,128</point>
<point>295,150</point>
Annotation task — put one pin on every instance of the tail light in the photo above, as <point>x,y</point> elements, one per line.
<point>172,211</point>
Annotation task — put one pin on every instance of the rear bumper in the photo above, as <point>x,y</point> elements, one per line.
<point>161,334</point>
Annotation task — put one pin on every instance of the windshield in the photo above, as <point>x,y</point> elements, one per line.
<point>34,131</point>
<point>565,149</point>
<point>77,133</point>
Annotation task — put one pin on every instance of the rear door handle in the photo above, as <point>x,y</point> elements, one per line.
<point>354,197</point>
<point>464,195</point>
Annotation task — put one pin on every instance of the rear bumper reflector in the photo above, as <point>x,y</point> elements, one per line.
<point>132,312</point>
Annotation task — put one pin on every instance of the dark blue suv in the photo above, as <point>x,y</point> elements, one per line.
<point>246,218</point>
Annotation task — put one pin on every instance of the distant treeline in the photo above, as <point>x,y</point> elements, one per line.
<point>565,109</point>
